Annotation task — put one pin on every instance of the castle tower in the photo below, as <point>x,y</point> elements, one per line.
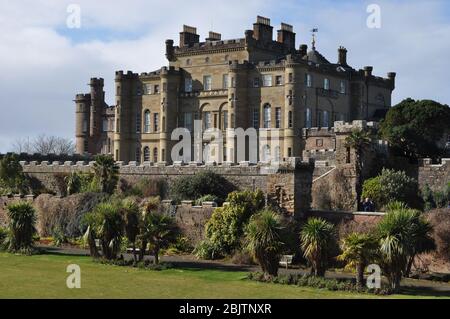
<point>168,122</point>
<point>289,109</point>
<point>96,110</point>
<point>82,121</point>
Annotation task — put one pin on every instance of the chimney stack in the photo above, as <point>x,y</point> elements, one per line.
<point>286,36</point>
<point>303,50</point>
<point>213,36</point>
<point>342,53</point>
<point>391,76</point>
<point>368,71</point>
<point>189,36</point>
<point>262,30</point>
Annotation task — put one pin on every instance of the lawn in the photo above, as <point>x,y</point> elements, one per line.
<point>44,276</point>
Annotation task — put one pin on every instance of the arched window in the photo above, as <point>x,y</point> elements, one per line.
<point>265,153</point>
<point>155,155</point>
<point>267,115</point>
<point>147,121</point>
<point>146,154</point>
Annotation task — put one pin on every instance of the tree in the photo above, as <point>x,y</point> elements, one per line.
<point>316,238</point>
<point>22,221</point>
<point>130,212</point>
<point>358,250</point>
<point>44,144</point>
<point>391,186</point>
<point>263,237</point>
<point>414,127</point>
<point>159,230</point>
<point>11,173</point>
<point>359,140</point>
<point>106,172</point>
<point>402,233</point>
<point>106,223</point>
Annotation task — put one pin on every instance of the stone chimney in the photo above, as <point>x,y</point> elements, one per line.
<point>368,71</point>
<point>286,36</point>
<point>170,50</point>
<point>189,36</point>
<point>303,50</point>
<point>262,30</point>
<point>213,36</point>
<point>342,56</point>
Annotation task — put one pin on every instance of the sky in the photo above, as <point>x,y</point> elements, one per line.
<point>44,63</point>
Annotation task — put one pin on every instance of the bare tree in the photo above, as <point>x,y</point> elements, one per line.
<point>44,144</point>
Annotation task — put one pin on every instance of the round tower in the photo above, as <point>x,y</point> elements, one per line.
<point>82,121</point>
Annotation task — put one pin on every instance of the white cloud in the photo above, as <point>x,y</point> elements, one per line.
<point>43,65</point>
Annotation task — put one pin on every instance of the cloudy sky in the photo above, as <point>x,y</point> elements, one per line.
<point>44,63</point>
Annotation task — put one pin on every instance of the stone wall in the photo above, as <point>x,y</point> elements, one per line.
<point>337,217</point>
<point>436,176</point>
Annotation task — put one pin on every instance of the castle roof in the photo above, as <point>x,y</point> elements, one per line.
<point>316,57</point>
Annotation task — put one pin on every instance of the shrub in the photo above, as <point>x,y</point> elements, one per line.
<point>195,186</point>
<point>226,226</point>
<point>12,179</point>
<point>207,250</point>
<point>391,186</point>
<point>440,220</point>
<point>206,198</point>
<point>3,237</point>
<point>22,221</point>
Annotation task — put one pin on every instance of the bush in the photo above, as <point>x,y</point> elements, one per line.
<point>22,221</point>
<point>12,179</point>
<point>3,237</point>
<point>440,220</point>
<point>204,183</point>
<point>391,186</point>
<point>226,226</point>
<point>207,198</point>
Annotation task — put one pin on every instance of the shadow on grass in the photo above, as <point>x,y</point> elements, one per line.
<point>424,292</point>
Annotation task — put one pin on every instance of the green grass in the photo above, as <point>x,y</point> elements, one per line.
<point>44,276</point>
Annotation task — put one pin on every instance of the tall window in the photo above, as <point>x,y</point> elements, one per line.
<point>225,119</point>
<point>291,77</point>
<point>325,119</point>
<point>256,82</point>
<point>188,84</point>
<point>188,121</point>
<point>147,89</point>
<point>147,121</point>
<point>146,154</point>
<point>118,125</point>
<point>156,122</point>
<point>278,117</point>
<point>155,155</point>
<point>207,82</point>
<point>326,84</point>
<point>256,118</point>
<point>277,154</point>
<point>105,125</point>
<point>138,122</point>
<point>267,116</point>
<point>225,81</point>
<point>267,80</point>
<point>266,153</point>
<point>290,119</point>
<point>278,80</point>
<point>85,126</point>
<point>156,91</point>
<point>343,89</point>
<point>206,120</point>
<point>308,120</point>
<point>308,80</point>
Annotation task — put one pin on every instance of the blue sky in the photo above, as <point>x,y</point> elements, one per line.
<point>44,63</point>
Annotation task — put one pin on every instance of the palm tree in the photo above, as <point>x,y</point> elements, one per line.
<point>316,237</point>
<point>106,223</point>
<point>22,221</point>
<point>403,233</point>
<point>263,236</point>
<point>359,140</point>
<point>358,250</point>
<point>159,230</point>
<point>107,172</point>
<point>131,217</point>
<point>73,182</point>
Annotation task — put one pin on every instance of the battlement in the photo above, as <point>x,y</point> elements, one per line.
<point>347,127</point>
<point>129,75</point>
<point>428,162</point>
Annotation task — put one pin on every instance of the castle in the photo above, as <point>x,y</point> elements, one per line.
<point>251,82</point>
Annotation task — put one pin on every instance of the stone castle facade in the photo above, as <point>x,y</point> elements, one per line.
<point>251,82</point>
